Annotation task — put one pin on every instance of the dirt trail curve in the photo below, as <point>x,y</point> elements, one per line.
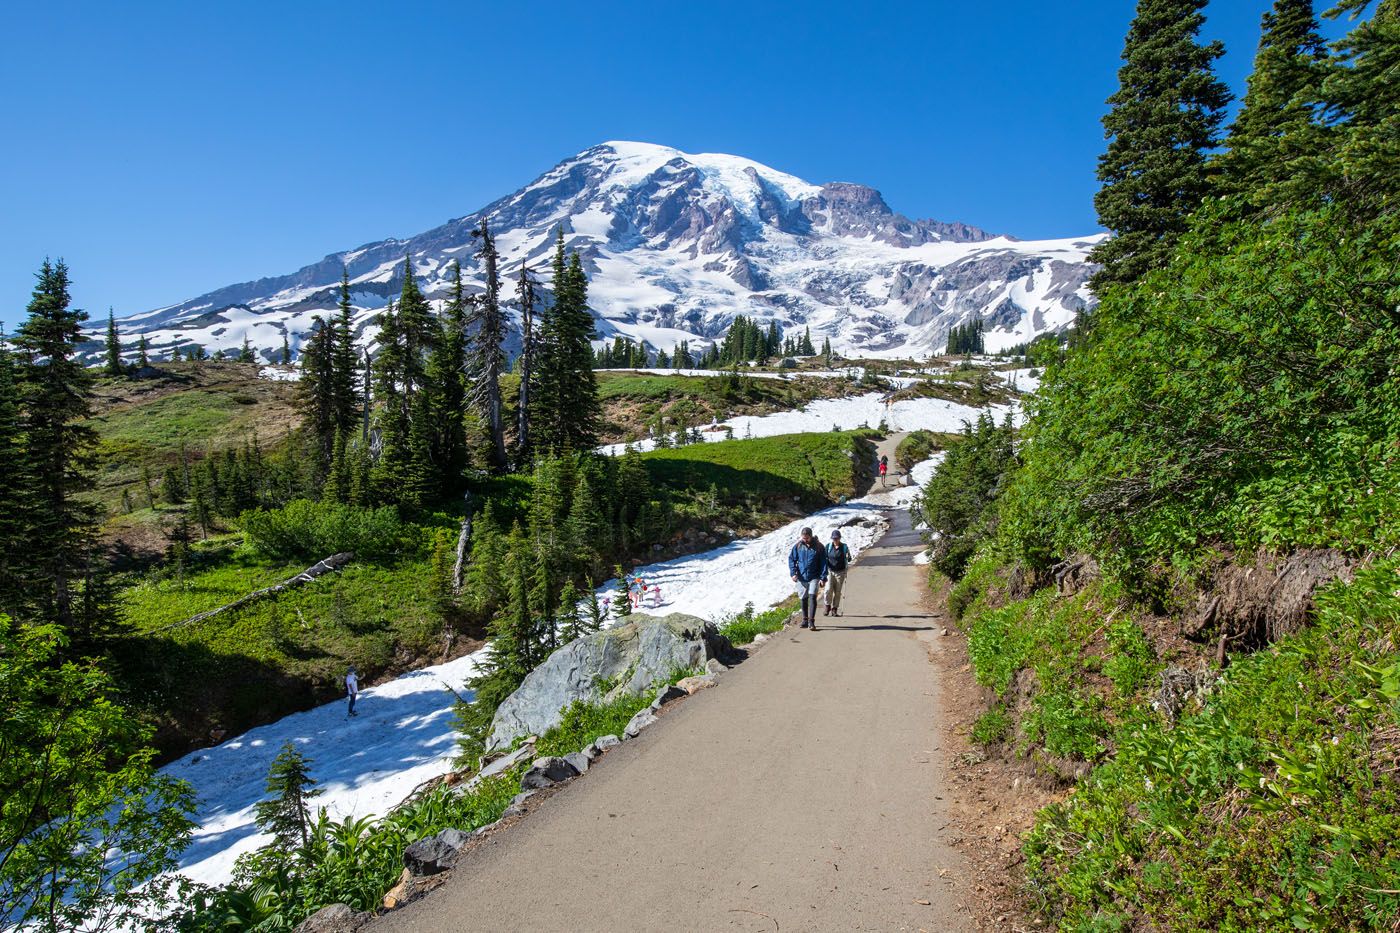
<point>804,793</point>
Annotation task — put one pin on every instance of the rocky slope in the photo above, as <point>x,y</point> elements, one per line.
<point>675,246</point>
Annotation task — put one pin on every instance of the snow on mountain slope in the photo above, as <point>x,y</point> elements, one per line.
<point>677,244</point>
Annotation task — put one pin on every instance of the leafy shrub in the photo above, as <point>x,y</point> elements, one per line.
<point>991,727</point>
<point>1131,658</point>
<point>918,446</point>
<point>742,629</point>
<point>1276,806</point>
<point>308,530</point>
<point>1245,395</point>
<point>957,501</point>
<point>584,722</point>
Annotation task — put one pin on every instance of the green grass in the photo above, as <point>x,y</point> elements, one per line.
<point>818,468</point>
<point>991,727</point>
<point>204,407</point>
<point>745,626</point>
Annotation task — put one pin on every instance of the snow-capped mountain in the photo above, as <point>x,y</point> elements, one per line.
<point>675,246</point>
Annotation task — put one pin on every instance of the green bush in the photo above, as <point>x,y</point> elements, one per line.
<point>1246,395</point>
<point>309,530</point>
<point>745,626</point>
<point>918,446</point>
<point>1276,806</point>
<point>957,502</point>
<point>991,727</point>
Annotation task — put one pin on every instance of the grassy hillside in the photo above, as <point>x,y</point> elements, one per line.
<point>815,468</point>
<point>143,424</point>
<point>635,402</point>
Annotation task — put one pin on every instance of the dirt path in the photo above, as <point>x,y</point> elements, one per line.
<point>804,793</point>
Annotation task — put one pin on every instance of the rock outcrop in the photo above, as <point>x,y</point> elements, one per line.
<point>631,656</point>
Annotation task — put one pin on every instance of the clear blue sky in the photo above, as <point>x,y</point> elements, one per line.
<point>165,149</point>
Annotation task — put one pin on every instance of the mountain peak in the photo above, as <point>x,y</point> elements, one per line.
<point>676,245</point>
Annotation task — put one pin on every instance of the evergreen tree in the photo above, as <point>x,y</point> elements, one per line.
<point>55,390</point>
<point>245,355</point>
<point>287,816</point>
<point>16,494</point>
<point>174,353</point>
<point>142,357</point>
<point>172,486</point>
<point>569,622</point>
<point>565,397</point>
<point>526,292</point>
<point>774,340</point>
<point>286,351</point>
<point>114,347</point>
<point>485,583</point>
<point>1360,92</point>
<point>487,355</point>
<point>345,362</point>
<point>358,468</point>
<point>1275,133</point>
<point>446,392</point>
<point>1162,121</point>
<point>417,329</point>
<point>338,482</point>
<point>317,392</point>
<point>594,615</point>
<point>621,602</point>
<point>807,348</point>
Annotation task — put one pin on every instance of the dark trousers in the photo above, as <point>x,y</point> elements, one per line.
<point>353,698</point>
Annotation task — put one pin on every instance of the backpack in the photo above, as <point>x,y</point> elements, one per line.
<point>836,559</point>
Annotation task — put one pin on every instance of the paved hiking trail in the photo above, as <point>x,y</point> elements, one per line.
<point>802,793</point>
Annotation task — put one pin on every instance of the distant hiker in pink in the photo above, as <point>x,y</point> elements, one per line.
<point>884,468</point>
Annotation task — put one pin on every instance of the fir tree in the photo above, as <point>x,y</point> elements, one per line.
<point>485,584</point>
<point>565,396</point>
<point>1360,92</point>
<point>621,601</point>
<point>286,351</point>
<point>487,355</point>
<point>55,389</point>
<point>143,359</point>
<point>245,355</point>
<point>287,816</point>
<point>338,482</point>
<point>114,347</point>
<point>1162,121</point>
<point>526,293</point>
<point>345,360</point>
<point>175,353</point>
<point>446,392</point>
<point>16,495</point>
<point>807,348</point>
<point>569,621</point>
<point>317,392</point>
<point>1275,133</point>
<point>172,486</point>
<point>826,351</point>
<point>594,615</point>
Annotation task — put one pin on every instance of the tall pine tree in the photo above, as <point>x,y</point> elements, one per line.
<point>487,356</point>
<point>16,495</point>
<point>447,390</point>
<point>345,368</point>
<point>565,398</point>
<point>1275,136</point>
<point>55,394</point>
<point>1160,125</point>
<point>1360,94</point>
<point>114,347</point>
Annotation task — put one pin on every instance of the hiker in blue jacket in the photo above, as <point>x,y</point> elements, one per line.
<point>807,565</point>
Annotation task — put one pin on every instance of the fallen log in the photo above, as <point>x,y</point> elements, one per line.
<point>318,569</point>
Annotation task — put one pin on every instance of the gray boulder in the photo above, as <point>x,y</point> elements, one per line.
<point>579,760</point>
<point>636,653</point>
<point>639,722</point>
<point>605,742</point>
<point>547,771</point>
<point>334,918</point>
<point>667,694</point>
<point>435,853</point>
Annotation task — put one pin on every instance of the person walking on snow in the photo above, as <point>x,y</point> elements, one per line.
<point>352,688</point>
<point>838,558</point>
<point>807,565</point>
